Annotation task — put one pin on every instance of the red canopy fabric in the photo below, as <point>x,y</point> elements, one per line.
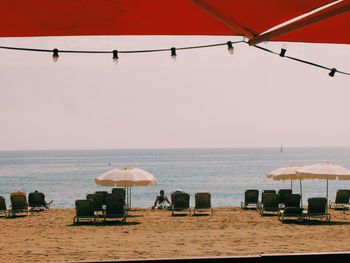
<point>168,17</point>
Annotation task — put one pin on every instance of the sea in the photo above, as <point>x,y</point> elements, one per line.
<point>67,175</point>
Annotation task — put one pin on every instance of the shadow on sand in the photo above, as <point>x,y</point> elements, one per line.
<point>180,215</point>
<point>105,223</point>
<point>315,222</point>
<point>202,214</point>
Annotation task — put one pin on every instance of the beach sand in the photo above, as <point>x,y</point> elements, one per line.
<point>50,236</point>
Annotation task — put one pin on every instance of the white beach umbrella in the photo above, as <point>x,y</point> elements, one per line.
<point>126,177</point>
<point>323,171</point>
<point>326,171</point>
<point>286,173</point>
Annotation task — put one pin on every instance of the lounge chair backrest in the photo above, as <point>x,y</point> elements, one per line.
<point>173,194</point>
<point>342,197</point>
<point>202,200</point>
<point>271,200</point>
<point>119,191</point>
<point>18,202</point>
<point>317,205</point>
<point>36,199</point>
<point>292,200</point>
<point>97,199</point>
<point>251,196</point>
<point>2,204</point>
<point>283,193</point>
<point>115,206</point>
<point>104,195</point>
<point>266,192</point>
<point>181,201</point>
<point>84,207</point>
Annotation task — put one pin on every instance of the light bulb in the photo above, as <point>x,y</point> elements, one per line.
<point>115,56</point>
<point>231,50</point>
<point>55,55</point>
<point>283,50</point>
<point>333,70</point>
<point>230,47</point>
<point>173,54</point>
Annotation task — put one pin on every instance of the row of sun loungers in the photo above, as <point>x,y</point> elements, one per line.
<point>101,204</point>
<point>286,205</point>
<point>180,202</point>
<point>106,205</point>
<point>19,203</point>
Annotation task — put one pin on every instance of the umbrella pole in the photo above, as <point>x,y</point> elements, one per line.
<point>327,196</point>
<point>126,194</point>
<point>301,193</point>
<point>130,197</point>
<point>291,184</point>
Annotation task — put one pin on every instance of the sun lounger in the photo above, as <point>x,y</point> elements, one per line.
<point>202,202</point>
<point>317,208</point>
<point>292,208</point>
<point>104,196</point>
<point>180,203</point>
<point>251,199</point>
<point>174,193</point>
<point>291,212</point>
<point>270,203</point>
<point>283,194</point>
<point>3,209</point>
<point>119,191</point>
<point>115,208</point>
<point>19,204</point>
<point>292,200</point>
<point>341,200</point>
<point>84,210</point>
<point>266,192</point>
<point>98,201</point>
<point>262,196</point>
<point>37,201</point>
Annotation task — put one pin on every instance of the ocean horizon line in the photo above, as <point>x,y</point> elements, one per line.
<point>172,148</point>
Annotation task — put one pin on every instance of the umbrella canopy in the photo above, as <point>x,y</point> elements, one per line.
<point>126,177</point>
<point>326,171</point>
<point>257,20</point>
<point>284,173</point>
<point>323,171</point>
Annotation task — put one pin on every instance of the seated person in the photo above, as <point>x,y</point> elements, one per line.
<point>43,201</point>
<point>161,201</point>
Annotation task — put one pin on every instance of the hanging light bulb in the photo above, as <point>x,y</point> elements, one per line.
<point>333,70</point>
<point>55,55</point>
<point>283,50</point>
<point>115,56</point>
<point>173,54</point>
<point>230,47</point>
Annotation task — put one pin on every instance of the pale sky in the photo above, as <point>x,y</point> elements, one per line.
<point>207,98</point>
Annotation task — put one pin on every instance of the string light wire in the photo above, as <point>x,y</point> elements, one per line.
<point>56,51</point>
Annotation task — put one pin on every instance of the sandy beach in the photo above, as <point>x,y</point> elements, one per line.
<point>50,236</point>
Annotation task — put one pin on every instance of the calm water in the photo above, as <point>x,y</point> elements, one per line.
<point>68,175</point>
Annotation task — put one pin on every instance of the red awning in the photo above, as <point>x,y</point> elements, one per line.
<point>170,17</point>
